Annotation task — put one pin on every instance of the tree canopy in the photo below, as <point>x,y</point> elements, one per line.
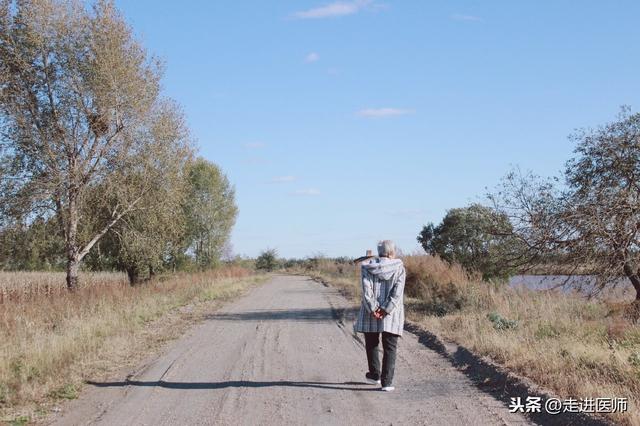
<point>89,146</point>
<point>210,211</point>
<point>475,237</point>
<point>591,222</point>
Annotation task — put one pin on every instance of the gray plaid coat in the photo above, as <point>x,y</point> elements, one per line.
<point>382,287</point>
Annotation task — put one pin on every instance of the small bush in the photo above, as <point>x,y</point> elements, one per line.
<point>4,394</point>
<point>500,322</point>
<point>432,271</point>
<point>68,391</point>
<point>268,260</point>
<point>441,287</point>
<point>546,331</point>
<point>20,420</point>
<point>632,312</point>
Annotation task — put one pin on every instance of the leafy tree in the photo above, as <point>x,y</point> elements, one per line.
<point>37,246</point>
<point>78,103</point>
<point>475,237</point>
<point>592,223</point>
<point>210,211</point>
<point>268,260</point>
<point>142,242</point>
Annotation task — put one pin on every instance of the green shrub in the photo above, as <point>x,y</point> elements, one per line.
<point>545,331</point>
<point>20,420</point>
<point>500,322</point>
<point>268,260</point>
<point>68,391</point>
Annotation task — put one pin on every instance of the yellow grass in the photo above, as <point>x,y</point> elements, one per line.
<point>49,343</point>
<point>17,286</point>
<point>574,347</point>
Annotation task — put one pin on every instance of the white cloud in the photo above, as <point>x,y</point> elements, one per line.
<point>469,18</point>
<point>383,112</point>
<point>254,145</point>
<point>338,8</point>
<point>306,192</point>
<point>312,57</point>
<point>283,179</point>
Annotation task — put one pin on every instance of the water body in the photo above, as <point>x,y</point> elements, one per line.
<point>583,284</point>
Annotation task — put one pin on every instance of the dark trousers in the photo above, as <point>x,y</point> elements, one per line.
<point>389,346</point>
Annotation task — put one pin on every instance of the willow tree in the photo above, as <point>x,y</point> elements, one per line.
<point>77,91</point>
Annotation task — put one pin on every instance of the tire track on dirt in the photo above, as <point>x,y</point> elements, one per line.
<point>286,354</point>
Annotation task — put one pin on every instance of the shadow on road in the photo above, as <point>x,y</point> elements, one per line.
<point>313,315</point>
<point>353,386</point>
<point>499,383</point>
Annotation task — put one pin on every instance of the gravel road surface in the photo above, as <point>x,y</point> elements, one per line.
<point>285,354</point>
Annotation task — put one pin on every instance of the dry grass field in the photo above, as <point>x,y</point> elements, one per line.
<point>27,286</point>
<point>573,346</point>
<point>51,339</point>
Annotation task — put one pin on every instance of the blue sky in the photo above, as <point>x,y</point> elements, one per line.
<point>342,123</point>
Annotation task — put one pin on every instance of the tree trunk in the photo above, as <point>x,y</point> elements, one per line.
<point>73,261</point>
<point>134,275</point>
<point>633,277</point>
<point>72,273</point>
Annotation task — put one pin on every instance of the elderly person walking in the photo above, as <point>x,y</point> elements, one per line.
<point>382,312</point>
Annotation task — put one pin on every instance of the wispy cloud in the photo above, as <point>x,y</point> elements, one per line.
<point>468,18</point>
<point>283,179</point>
<point>254,145</point>
<point>309,192</point>
<point>383,112</point>
<point>312,57</point>
<point>335,9</point>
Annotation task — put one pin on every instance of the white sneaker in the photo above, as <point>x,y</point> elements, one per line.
<point>387,389</point>
<point>372,381</point>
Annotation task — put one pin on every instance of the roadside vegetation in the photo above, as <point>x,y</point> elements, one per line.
<point>574,346</point>
<point>50,341</point>
<point>109,219</point>
<point>98,170</point>
<point>578,343</point>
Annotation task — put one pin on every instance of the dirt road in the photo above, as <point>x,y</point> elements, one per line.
<point>283,355</point>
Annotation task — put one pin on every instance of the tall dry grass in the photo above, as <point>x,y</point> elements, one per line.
<point>48,344</point>
<point>24,286</point>
<point>575,347</point>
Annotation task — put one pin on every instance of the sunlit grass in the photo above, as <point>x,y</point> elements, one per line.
<point>573,346</point>
<point>49,341</point>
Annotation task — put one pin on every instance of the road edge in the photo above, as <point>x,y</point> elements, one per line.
<point>191,315</point>
<point>490,377</point>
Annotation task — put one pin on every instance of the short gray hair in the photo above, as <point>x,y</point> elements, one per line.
<point>386,248</point>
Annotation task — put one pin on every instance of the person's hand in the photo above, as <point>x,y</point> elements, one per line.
<point>379,313</point>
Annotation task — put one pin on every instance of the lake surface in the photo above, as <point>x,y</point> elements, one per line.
<point>585,284</point>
